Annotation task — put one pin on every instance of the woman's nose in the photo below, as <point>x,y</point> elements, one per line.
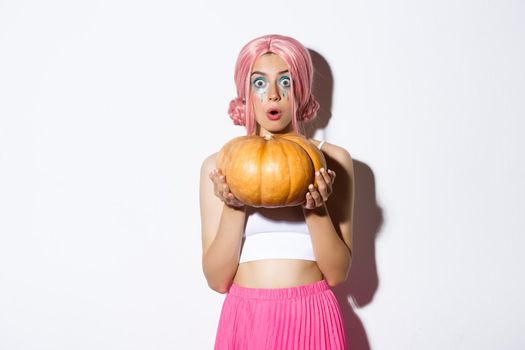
<point>273,93</point>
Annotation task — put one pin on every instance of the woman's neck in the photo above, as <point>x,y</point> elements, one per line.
<point>263,132</point>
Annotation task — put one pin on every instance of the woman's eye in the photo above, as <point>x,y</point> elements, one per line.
<point>285,81</point>
<point>259,83</point>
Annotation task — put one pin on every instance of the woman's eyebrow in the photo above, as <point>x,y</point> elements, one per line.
<point>261,73</point>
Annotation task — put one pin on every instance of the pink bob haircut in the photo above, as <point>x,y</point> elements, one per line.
<point>303,103</point>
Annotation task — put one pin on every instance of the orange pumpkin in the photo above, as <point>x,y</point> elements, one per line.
<point>272,171</point>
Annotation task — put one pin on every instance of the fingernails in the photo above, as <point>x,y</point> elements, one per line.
<point>317,173</point>
<point>322,170</point>
<point>311,187</point>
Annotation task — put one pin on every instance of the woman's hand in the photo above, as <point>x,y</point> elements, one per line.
<point>315,197</point>
<point>222,190</point>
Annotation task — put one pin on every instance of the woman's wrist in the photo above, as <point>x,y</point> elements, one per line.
<point>235,208</point>
<point>317,211</point>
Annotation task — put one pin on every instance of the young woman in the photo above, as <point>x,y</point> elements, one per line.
<point>278,265</point>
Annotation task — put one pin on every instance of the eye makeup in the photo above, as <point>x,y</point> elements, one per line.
<point>260,86</point>
<point>284,85</point>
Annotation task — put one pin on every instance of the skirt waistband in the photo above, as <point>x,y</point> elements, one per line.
<point>279,293</point>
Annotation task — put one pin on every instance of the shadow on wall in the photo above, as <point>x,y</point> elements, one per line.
<point>323,87</point>
<point>362,282</point>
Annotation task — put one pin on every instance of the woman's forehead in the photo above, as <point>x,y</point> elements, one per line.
<point>269,63</point>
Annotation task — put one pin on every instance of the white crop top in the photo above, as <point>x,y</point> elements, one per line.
<point>276,234</point>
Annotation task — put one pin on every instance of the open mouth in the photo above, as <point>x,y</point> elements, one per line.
<point>273,114</point>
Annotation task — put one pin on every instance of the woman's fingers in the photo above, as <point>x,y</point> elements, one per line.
<point>329,181</point>
<point>222,190</point>
<point>313,200</point>
<point>225,189</point>
<point>310,203</point>
<point>322,186</point>
<point>326,176</point>
<point>212,175</point>
<point>231,200</point>
<point>215,179</point>
<point>219,184</point>
<point>332,174</point>
<point>316,196</point>
<point>324,183</point>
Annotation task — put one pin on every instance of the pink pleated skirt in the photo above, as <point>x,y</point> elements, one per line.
<point>296,318</point>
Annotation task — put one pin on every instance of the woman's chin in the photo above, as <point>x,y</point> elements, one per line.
<point>278,129</point>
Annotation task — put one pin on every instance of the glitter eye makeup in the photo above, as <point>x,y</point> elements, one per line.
<point>260,87</point>
<point>259,83</point>
<point>284,85</point>
<point>285,82</point>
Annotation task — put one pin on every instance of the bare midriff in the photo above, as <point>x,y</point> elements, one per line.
<point>277,273</point>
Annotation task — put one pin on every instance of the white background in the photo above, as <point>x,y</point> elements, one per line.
<point>107,109</point>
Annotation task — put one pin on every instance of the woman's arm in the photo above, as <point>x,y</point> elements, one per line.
<point>330,223</point>
<point>222,230</point>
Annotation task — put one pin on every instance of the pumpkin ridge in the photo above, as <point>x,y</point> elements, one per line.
<point>314,154</point>
<point>287,155</point>
<point>261,152</point>
<point>305,150</point>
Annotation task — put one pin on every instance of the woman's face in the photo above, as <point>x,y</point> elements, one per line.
<point>270,89</point>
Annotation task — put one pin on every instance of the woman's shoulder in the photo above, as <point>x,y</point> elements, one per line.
<point>338,153</point>
<point>209,163</point>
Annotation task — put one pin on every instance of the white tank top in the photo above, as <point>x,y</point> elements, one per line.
<point>276,234</point>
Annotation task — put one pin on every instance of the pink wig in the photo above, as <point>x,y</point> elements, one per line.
<point>299,63</point>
